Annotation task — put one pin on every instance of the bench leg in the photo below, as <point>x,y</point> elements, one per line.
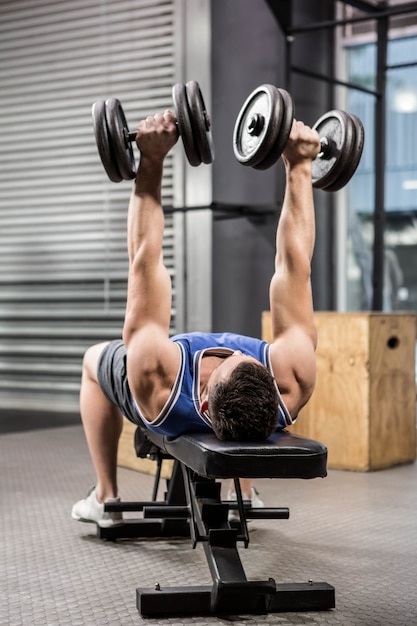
<point>136,528</point>
<point>231,592</point>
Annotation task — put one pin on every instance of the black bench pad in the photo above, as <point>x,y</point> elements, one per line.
<point>283,455</point>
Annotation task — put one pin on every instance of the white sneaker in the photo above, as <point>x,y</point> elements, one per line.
<point>89,510</point>
<point>256,503</point>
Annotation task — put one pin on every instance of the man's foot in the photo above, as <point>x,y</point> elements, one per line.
<point>255,501</point>
<point>89,510</point>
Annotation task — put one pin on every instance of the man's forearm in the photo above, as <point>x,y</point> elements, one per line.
<point>296,228</point>
<point>145,215</point>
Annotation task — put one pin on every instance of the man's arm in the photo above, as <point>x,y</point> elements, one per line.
<point>152,360</point>
<point>293,329</point>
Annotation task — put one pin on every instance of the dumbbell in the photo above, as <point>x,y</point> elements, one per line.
<point>114,140</point>
<point>263,126</point>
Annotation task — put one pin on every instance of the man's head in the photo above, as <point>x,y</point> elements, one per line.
<point>242,400</point>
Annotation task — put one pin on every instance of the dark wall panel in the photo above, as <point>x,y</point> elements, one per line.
<point>249,49</point>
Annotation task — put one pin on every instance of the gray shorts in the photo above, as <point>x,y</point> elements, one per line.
<point>112,378</point>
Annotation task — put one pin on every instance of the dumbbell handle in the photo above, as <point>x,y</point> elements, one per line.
<point>131,134</point>
<point>325,148</point>
<point>256,125</point>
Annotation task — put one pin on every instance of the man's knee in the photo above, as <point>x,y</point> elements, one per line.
<point>91,359</point>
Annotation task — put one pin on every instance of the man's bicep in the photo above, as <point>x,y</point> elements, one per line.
<point>152,362</point>
<point>294,365</point>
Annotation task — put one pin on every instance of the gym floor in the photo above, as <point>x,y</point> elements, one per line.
<point>356,531</point>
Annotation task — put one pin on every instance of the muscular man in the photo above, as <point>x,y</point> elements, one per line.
<point>240,387</point>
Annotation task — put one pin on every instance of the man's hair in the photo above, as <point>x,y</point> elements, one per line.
<point>245,406</point>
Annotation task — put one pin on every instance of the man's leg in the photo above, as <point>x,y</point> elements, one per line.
<point>248,493</point>
<point>103,424</point>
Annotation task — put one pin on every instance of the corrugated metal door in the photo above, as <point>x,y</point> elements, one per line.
<point>63,259</point>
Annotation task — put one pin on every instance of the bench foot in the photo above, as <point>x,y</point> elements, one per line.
<point>138,528</point>
<point>257,597</point>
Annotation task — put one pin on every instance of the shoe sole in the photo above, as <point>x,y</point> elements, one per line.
<point>92,521</point>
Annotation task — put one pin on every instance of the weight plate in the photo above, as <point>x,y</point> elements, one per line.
<point>336,128</point>
<point>182,112</point>
<point>355,155</point>
<point>118,135</point>
<point>102,140</point>
<point>200,122</point>
<point>284,132</point>
<point>258,125</point>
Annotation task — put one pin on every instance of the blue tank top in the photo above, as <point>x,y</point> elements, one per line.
<point>182,411</point>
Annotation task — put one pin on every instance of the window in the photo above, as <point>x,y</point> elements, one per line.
<point>400,268</point>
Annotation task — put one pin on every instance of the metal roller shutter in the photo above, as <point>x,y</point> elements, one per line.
<point>63,258</point>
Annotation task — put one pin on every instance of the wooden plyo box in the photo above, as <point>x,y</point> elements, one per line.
<point>126,455</point>
<point>364,404</point>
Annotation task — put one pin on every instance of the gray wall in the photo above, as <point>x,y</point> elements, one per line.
<point>63,258</point>
<point>249,49</point>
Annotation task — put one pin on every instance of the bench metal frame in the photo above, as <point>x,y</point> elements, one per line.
<point>192,507</point>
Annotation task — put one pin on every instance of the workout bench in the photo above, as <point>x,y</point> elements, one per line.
<point>193,508</point>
